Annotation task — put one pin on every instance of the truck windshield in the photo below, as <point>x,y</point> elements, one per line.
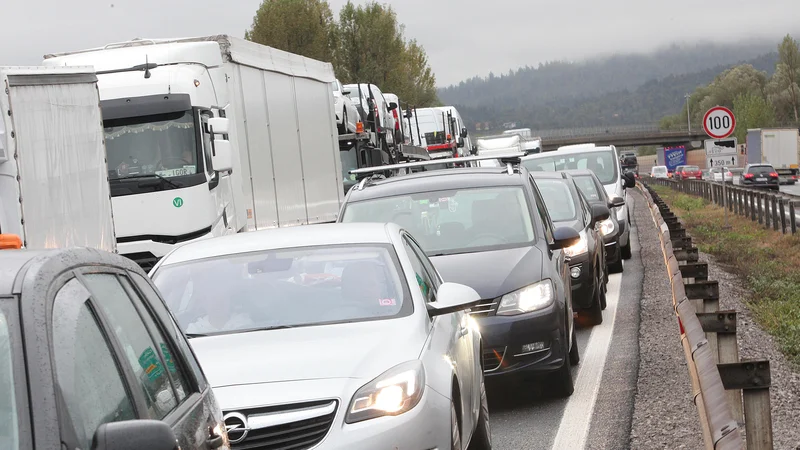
<point>164,145</point>
<point>8,406</point>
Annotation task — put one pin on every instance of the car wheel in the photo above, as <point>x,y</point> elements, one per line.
<point>625,252</point>
<point>482,439</point>
<point>455,431</point>
<point>617,266</point>
<point>603,296</point>
<point>574,355</point>
<point>595,312</point>
<point>562,378</point>
<point>343,127</point>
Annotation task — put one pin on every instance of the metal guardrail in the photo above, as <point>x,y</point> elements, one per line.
<point>727,392</point>
<point>619,130</point>
<point>776,210</point>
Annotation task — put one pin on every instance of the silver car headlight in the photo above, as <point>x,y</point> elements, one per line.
<point>394,392</point>
<point>607,227</point>
<point>528,299</point>
<point>580,248</point>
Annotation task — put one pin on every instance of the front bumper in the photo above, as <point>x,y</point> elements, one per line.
<point>583,284</point>
<point>623,231</point>
<point>504,336</point>
<point>612,252</point>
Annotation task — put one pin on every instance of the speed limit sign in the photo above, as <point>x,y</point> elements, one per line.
<point>719,122</point>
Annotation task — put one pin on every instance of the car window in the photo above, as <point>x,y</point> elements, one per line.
<point>454,221</point>
<point>602,163</point>
<point>9,434</point>
<point>437,281</point>
<point>558,199</point>
<point>690,168</point>
<point>87,374</point>
<point>303,286</point>
<point>173,329</point>
<point>143,355</point>
<point>541,210</point>
<point>587,210</point>
<point>588,188</point>
<point>424,281</point>
<point>761,170</point>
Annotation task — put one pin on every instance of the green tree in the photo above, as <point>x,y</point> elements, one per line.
<point>783,88</point>
<point>752,111</point>
<point>303,27</point>
<point>371,48</point>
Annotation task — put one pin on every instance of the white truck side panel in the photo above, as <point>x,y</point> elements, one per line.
<point>60,159</point>
<point>779,147</point>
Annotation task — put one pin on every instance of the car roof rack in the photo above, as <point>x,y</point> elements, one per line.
<point>509,159</point>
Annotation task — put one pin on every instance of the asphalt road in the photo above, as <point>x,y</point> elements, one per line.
<point>793,189</point>
<point>598,414</point>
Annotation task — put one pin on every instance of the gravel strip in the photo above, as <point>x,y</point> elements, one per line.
<point>755,343</point>
<point>664,414</point>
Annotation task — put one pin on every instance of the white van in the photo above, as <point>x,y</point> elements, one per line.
<point>604,162</point>
<point>458,128</point>
<point>375,111</point>
<point>400,131</point>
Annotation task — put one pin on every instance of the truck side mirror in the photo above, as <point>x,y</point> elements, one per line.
<point>392,106</point>
<point>460,143</point>
<point>219,125</point>
<point>221,155</point>
<point>464,132</point>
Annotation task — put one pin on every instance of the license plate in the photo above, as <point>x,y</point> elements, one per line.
<point>761,179</point>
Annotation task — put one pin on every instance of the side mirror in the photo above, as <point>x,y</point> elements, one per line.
<point>600,213</point>
<point>474,150</point>
<point>221,155</point>
<point>460,143</point>
<point>616,202</point>
<point>564,237</point>
<point>218,125</point>
<point>392,106</point>
<point>345,92</point>
<point>628,180</point>
<point>464,132</point>
<point>409,114</point>
<point>453,297</point>
<point>134,435</point>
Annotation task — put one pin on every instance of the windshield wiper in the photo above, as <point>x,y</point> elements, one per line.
<point>196,335</point>
<point>149,175</point>
<point>251,330</point>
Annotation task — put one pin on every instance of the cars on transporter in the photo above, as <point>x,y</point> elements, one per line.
<point>603,161</point>
<point>347,115</point>
<point>90,358</point>
<point>592,189</point>
<point>331,337</point>
<point>488,228</point>
<point>587,259</point>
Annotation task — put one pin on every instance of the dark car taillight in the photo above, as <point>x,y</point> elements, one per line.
<point>748,175</point>
<point>773,174</point>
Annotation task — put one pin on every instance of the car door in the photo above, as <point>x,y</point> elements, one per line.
<point>462,345</point>
<point>153,373</point>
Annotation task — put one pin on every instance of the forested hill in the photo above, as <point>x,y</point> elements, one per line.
<point>618,90</point>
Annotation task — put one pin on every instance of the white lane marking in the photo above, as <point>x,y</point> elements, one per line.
<point>574,426</point>
<point>577,418</point>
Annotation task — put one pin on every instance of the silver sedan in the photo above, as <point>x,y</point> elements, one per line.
<point>339,336</point>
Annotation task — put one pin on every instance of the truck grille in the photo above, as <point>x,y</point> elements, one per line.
<point>492,358</point>
<point>287,427</point>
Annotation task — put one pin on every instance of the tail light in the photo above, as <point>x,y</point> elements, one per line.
<point>359,127</point>
<point>773,174</point>
<point>729,174</point>
<point>748,175</point>
<point>396,120</point>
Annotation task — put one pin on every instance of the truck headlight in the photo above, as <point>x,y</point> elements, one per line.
<point>528,299</point>
<point>580,248</point>
<point>394,392</point>
<point>607,227</point>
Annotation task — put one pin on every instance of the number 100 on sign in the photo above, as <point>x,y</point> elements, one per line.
<point>719,122</point>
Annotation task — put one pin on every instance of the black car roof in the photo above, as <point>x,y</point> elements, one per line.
<point>550,175</point>
<point>439,180</point>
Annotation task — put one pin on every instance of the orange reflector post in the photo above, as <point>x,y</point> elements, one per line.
<point>10,241</point>
<point>359,127</point>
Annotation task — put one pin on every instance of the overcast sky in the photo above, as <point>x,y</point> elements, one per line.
<point>463,38</point>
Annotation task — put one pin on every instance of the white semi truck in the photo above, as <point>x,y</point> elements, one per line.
<point>777,146</point>
<point>213,135</point>
<point>54,190</point>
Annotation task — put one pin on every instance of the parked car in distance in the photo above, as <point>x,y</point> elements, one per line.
<point>659,172</point>
<point>592,189</point>
<point>85,333</point>
<point>688,173</point>
<point>587,259</point>
<point>331,337</point>
<point>760,175</point>
<point>716,174</point>
<point>489,228</point>
<point>732,175</point>
<point>347,115</point>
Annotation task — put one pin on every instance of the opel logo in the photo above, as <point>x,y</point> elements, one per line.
<point>236,426</point>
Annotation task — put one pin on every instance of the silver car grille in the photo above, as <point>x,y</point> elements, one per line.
<point>295,426</point>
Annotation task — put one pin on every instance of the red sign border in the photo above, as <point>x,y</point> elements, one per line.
<point>719,108</point>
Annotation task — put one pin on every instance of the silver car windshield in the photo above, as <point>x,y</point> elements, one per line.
<point>285,288</point>
<point>602,163</point>
<point>454,221</point>
<point>558,199</point>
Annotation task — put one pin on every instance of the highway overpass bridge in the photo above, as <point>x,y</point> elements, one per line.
<point>620,136</point>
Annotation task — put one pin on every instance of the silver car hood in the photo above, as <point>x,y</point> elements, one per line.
<point>360,350</point>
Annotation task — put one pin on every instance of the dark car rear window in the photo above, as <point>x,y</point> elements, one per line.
<point>691,169</point>
<point>761,170</point>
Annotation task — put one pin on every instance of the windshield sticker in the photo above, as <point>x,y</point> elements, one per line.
<point>444,199</point>
<point>178,172</point>
<point>150,363</point>
<point>387,302</point>
<point>424,202</point>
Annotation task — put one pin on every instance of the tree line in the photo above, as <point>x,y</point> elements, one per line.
<point>365,45</point>
<point>757,99</point>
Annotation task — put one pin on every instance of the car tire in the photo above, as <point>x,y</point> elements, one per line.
<point>562,378</point>
<point>595,312</point>
<point>455,430</point>
<point>625,252</point>
<point>617,266</point>
<point>482,438</point>
<point>574,354</point>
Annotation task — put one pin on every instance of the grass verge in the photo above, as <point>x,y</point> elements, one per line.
<point>768,263</point>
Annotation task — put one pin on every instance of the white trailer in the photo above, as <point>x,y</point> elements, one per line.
<point>213,135</point>
<point>54,189</point>
<point>777,146</point>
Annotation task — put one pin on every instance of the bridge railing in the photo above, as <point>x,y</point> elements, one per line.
<point>728,393</point>
<point>620,130</point>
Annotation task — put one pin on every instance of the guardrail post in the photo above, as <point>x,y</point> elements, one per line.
<point>708,293</point>
<point>767,218</point>
<point>753,210</point>
<point>754,379</point>
<point>774,202</point>
<point>792,219</point>
<point>737,207</point>
<point>757,196</point>
<point>782,207</point>
<point>723,323</point>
